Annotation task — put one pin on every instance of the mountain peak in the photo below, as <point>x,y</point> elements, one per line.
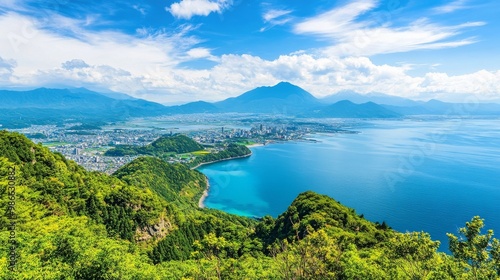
<point>284,84</point>
<point>285,87</point>
<point>283,97</point>
<point>280,90</point>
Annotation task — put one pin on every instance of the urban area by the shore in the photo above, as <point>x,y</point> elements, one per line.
<point>86,145</point>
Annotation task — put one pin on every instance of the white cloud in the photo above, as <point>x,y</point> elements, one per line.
<point>483,83</point>
<point>273,14</point>
<point>350,36</point>
<point>189,8</point>
<point>74,64</point>
<point>84,75</point>
<point>451,7</point>
<point>273,17</point>
<point>235,74</point>
<point>336,21</point>
<point>34,46</point>
<point>196,53</point>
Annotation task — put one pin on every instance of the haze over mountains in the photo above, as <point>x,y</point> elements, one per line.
<point>44,105</point>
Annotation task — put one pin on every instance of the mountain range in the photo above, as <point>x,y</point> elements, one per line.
<point>54,106</point>
<point>378,98</point>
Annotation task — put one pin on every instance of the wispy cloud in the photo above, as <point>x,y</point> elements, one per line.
<point>189,8</point>
<point>273,17</point>
<point>451,7</point>
<point>336,21</point>
<point>351,36</point>
<point>141,9</point>
<point>273,14</point>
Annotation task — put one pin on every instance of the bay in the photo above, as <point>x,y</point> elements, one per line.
<point>430,176</point>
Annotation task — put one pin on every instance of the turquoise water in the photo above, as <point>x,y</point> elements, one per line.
<point>428,176</point>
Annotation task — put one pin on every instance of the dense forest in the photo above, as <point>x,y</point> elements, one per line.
<point>60,221</point>
<point>177,143</point>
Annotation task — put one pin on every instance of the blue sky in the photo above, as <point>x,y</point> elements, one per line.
<point>186,50</point>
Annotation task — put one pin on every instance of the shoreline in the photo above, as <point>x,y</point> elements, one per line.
<point>219,160</point>
<point>201,201</point>
<point>255,145</point>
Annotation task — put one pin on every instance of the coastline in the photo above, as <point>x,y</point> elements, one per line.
<point>201,202</point>
<point>255,145</point>
<point>210,162</point>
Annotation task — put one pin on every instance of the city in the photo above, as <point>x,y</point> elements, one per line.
<point>86,144</point>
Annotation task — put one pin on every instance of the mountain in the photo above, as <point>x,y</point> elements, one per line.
<point>348,109</point>
<point>117,95</point>
<point>379,98</point>
<point>282,98</point>
<point>44,98</point>
<point>52,106</point>
<point>194,108</point>
<point>63,222</point>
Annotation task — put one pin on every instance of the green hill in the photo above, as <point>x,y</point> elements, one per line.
<point>60,221</point>
<point>166,144</point>
<point>311,212</point>
<point>172,182</point>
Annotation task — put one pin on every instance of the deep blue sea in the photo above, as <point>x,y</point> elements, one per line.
<point>428,176</point>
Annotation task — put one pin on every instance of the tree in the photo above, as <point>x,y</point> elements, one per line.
<point>317,256</point>
<point>478,253</point>
<point>212,248</point>
<point>414,253</point>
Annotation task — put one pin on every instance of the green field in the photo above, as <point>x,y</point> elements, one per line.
<point>200,153</point>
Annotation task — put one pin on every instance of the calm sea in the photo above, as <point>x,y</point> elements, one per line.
<point>428,176</point>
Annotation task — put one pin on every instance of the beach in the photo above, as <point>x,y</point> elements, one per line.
<point>255,145</point>
<point>201,203</point>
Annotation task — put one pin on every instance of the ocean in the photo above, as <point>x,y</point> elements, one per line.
<point>429,175</point>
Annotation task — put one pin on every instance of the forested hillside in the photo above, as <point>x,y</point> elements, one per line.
<point>60,221</point>
<point>166,144</point>
<point>231,151</point>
